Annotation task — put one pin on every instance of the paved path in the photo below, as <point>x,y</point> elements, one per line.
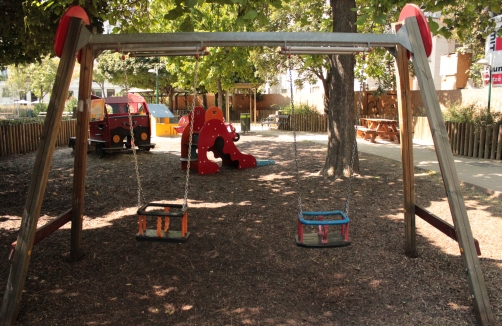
<point>486,175</point>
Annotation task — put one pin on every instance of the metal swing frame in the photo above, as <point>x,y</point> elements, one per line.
<point>79,38</point>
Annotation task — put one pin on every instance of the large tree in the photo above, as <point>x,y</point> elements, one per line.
<point>341,118</point>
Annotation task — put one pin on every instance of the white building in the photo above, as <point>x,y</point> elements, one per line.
<point>440,47</point>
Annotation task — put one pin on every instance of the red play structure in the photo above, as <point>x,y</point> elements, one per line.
<point>211,134</point>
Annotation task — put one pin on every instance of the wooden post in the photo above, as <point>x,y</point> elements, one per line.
<point>83,114</point>
<point>467,138</point>
<point>482,138</point>
<point>38,182</point>
<point>494,142</point>
<point>254,93</point>
<point>250,108</point>
<point>475,143</point>
<point>499,146</point>
<point>227,106</point>
<point>406,132</point>
<point>475,277</point>
<point>488,141</point>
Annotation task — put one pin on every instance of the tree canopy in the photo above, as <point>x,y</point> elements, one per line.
<point>28,27</point>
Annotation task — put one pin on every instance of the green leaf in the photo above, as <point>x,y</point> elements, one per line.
<point>190,3</point>
<point>308,61</point>
<point>262,19</point>
<point>197,13</point>
<point>381,19</point>
<point>276,4</point>
<point>250,14</point>
<point>433,26</point>
<point>175,13</point>
<point>187,25</point>
<point>362,19</point>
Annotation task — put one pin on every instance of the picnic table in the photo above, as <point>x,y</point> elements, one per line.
<point>275,119</point>
<point>383,128</point>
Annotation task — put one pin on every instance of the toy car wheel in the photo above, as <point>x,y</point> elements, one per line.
<point>100,152</point>
<point>237,137</point>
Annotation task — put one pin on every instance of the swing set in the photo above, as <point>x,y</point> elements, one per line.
<point>411,38</point>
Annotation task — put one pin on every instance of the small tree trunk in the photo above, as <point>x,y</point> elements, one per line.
<point>170,95</point>
<point>220,94</point>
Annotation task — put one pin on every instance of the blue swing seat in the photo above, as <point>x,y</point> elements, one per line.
<point>322,239</point>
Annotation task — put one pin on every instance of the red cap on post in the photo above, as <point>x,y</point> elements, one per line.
<point>64,23</point>
<point>411,10</point>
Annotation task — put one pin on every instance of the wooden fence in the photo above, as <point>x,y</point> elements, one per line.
<point>475,140</point>
<point>307,122</point>
<point>24,138</point>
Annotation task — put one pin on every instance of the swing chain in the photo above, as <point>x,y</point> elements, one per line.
<point>300,211</point>
<point>190,138</point>
<point>141,197</point>
<point>354,146</point>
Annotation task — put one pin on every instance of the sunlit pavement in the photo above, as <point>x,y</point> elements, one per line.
<point>486,175</point>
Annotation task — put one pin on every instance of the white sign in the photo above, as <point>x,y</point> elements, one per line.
<point>493,53</point>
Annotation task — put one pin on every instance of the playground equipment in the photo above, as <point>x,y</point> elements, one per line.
<point>212,134</point>
<point>407,36</point>
<point>110,121</point>
<point>184,120</point>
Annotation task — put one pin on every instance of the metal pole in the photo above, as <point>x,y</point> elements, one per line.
<point>157,83</point>
<point>490,82</point>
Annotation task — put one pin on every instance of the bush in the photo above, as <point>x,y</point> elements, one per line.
<point>455,113</point>
<point>70,104</point>
<point>471,114</point>
<point>39,107</point>
<point>488,118</point>
<point>300,108</point>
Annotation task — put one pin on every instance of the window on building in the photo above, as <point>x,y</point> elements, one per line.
<point>97,92</point>
<point>5,92</point>
<point>284,91</point>
<point>110,92</point>
<point>315,89</point>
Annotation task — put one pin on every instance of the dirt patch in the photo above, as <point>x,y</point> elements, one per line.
<point>241,265</point>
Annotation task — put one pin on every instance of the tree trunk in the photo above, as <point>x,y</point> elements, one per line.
<point>170,96</point>
<point>340,98</point>
<point>220,94</point>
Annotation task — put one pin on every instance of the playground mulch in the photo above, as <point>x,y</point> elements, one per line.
<point>241,265</point>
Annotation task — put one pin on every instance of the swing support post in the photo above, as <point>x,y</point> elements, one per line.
<point>406,132</point>
<point>449,174</point>
<point>80,162</point>
<point>38,182</point>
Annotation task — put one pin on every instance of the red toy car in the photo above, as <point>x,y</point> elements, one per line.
<point>109,128</point>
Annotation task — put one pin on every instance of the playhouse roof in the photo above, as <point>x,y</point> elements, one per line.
<point>160,111</point>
